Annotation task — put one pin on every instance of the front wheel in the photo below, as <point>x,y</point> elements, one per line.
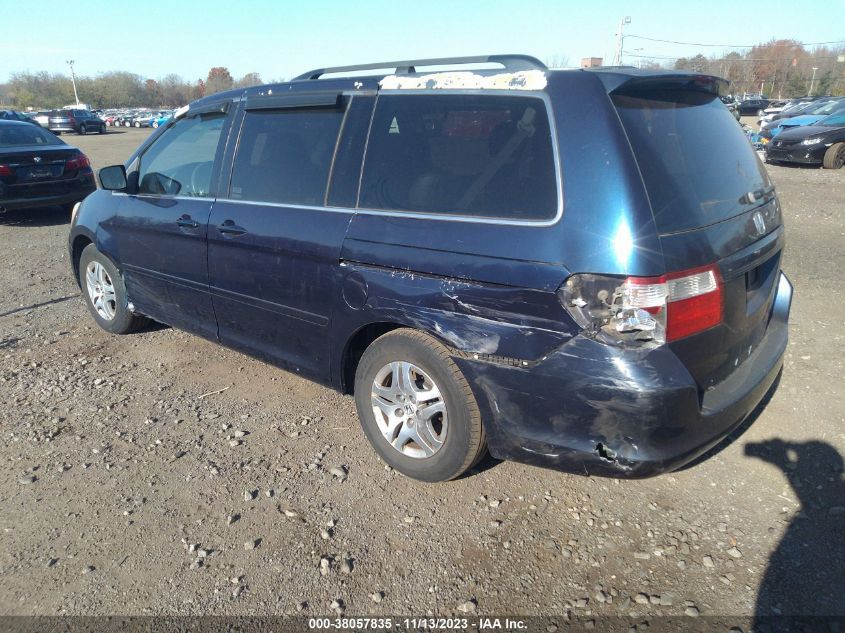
<point>105,293</point>
<point>834,157</point>
<point>416,407</point>
<point>155,124</point>
<point>83,130</point>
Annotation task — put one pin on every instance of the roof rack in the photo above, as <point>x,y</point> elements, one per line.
<point>510,62</point>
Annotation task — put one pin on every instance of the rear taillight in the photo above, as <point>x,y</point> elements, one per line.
<point>77,162</point>
<point>5,170</point>
<point>637,310</point>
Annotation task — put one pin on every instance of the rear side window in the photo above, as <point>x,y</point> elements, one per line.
<point>284,156</point>
<point>696,163</point>
<point>477,155</point>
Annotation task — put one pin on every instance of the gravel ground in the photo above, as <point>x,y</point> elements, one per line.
<point>128,486</point>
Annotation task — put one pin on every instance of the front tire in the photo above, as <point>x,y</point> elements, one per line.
<point>83,130</point>
<point>416,407</point>
<point>105,293</point>
<point>834,157</point>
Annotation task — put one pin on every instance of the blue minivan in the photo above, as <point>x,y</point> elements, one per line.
<point>575,269</point>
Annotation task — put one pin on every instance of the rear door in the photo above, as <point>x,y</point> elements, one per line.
<point>159,234</point>
<point>274,243</point>
<point>713,203</point>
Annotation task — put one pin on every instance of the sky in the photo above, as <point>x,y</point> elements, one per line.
<point>283,38</point>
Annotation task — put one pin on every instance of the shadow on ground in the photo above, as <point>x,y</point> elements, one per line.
<point>40,216</point>
<point>806,573</point>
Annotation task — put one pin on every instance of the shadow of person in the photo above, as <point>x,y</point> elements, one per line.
<point>806,573</point>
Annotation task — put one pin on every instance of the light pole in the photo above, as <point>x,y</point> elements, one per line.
<point>812,81</point>
<point>620,39</point>
<point>70,63</point>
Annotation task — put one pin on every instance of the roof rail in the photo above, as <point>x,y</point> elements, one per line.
<point>510,62</point>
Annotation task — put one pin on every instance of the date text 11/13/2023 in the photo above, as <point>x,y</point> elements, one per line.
<point>443,624</point>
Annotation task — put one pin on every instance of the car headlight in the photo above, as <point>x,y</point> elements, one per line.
<point>811,141</point>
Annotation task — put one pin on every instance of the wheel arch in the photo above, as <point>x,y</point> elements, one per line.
<point>77,246</point>
<point>355,346</point>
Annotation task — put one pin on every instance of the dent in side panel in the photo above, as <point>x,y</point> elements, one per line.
<point>470,317</point>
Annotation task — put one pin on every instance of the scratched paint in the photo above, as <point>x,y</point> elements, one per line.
<point>464,80</point>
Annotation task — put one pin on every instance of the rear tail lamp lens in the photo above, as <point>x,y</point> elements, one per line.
<point>639,310</point>
<point>5,170</point>
<point>77,162</point>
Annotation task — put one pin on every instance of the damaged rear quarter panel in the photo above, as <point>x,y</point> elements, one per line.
<point>469,317</point>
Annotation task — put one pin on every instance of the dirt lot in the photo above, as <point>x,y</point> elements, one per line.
<point>126,489</point>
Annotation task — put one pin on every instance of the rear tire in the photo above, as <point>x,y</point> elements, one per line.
<point>105,293</point>
<point>455,436</point>
<point>834,157</point>
<point>103,128</point>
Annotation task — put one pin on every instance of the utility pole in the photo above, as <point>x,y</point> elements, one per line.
<point>812,81</point>
<point>70,63</point>
<point>620,40</point>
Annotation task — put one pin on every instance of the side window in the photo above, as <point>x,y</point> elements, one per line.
<point>477,155</point>
<point>284,156</point>
<point>180,162</point>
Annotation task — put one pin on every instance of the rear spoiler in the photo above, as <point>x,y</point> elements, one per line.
<point>626,80</point>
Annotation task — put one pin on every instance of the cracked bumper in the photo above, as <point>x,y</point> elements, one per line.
<point>641,405</point>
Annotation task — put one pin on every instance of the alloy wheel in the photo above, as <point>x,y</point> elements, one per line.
<point>101,290</point>
<point>409,409</point>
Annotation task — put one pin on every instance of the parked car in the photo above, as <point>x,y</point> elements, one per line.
<point>79,121</point>
<point>731,104</point>
<point>38,169</point>
<point>771,119</point>
<point>411,239</point>
<point>144,119</point>
<point>753,106</point>
<point>42,118</point>
<point>822,143</point>
<point>12,115</point>
<point>161,118</point>
<point>807,117</point>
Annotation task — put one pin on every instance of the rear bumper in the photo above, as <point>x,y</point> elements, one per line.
<point>592,409</point>
<point>75,191</point>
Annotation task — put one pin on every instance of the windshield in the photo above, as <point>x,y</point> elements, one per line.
<point>834,120</point>
<point>23,135</point>
<point>697,165</point>
<point>826,108</point>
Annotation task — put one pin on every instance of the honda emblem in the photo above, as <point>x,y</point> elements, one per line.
<point>37,159</point>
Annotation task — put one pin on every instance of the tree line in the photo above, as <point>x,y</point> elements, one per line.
<point>117,89</point>
<point>779,69</point>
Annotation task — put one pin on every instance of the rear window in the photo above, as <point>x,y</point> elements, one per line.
<point>696,163</point>
<point>478,155</point>
<point>25,135</point>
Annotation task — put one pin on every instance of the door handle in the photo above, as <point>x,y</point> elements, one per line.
<point>187,222</point>
<point>230,228</point>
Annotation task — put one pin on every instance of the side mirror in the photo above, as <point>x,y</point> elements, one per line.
<point>113,178</point>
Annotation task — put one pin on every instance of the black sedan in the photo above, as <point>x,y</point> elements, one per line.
<point>38,169</point>
<point>821,143</point>
<point>753,106</point>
